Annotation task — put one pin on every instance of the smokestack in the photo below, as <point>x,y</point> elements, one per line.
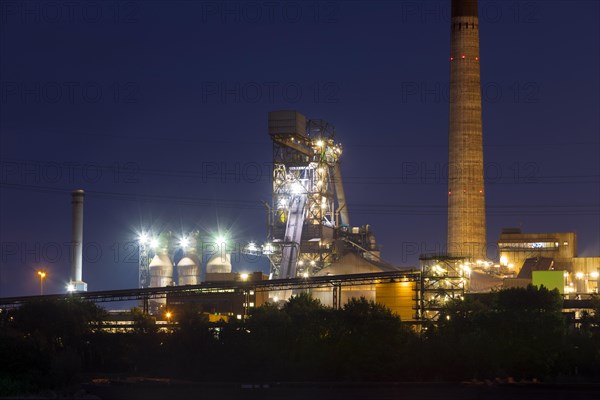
<point>76,283</point>
<point>466,193</point>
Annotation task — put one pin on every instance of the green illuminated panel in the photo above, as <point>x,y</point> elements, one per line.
<point>549,279</point>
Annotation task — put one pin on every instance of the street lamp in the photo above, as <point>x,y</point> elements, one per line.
<point>42,275</point>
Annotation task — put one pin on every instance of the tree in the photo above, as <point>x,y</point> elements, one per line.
<point>514,332</point>
<point>59,323</point>
<point>190,346</point>
<point>143,324</point>
<point>52,337</point>
<point>584,358</point>
<point>370,341</point>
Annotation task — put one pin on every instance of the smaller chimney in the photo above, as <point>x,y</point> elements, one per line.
<point>76,283</point>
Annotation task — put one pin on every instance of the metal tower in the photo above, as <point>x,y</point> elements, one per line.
<point>308,201</point>
<point>443,278</point>
<point>144,270</point>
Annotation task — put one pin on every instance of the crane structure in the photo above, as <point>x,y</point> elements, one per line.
<point>308,218</point>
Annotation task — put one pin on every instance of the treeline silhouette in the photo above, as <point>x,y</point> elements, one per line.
<point>518,333</point>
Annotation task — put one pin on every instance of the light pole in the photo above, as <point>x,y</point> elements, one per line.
<point>144,242</point>
<point>42,275</point>
<point>244,277</point>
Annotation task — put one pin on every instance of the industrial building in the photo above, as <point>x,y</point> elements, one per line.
<point>309,225</point>
<point>309,232</point>
<point>229,303</point>
<point>525,253</point>
<point>515,247</point>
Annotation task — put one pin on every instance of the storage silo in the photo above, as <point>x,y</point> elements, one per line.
<point>219,264</point>
<point>161,271</point>
<point>188,270</point>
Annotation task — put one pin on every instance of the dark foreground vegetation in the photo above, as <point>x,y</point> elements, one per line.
<point>516,333</point>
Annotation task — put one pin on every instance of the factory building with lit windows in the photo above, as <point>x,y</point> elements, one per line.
<point>526,253</point>
<point>227,303</point>
<point>515,247</point>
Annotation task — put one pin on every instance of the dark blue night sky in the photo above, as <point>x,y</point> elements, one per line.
<point>158,109</point>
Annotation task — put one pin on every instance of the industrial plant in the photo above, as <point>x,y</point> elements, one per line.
<point>311,245</point>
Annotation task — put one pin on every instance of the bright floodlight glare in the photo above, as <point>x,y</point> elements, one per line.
<point>267,249</point>
<point>184,242</point>
<point>154,243</point>
<point>297,188</point>
<point>220,241</point>
<point>594,274</point>
<point>305,275</point>
<point>244,276</point>
<point>70,287</point>
<point>252,246</point>
<point>143,238</point>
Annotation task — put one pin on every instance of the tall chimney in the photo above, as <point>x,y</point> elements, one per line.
<point>76,283</point>
<point>466,193</point>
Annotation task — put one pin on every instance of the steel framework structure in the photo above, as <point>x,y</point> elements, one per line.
<point>443,278</point>
<point>306,184</point>
<point>144,264</point>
